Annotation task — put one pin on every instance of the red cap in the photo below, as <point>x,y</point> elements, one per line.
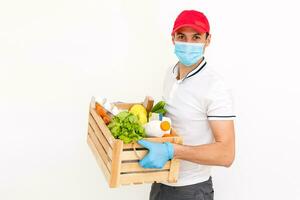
<point>192,18</point>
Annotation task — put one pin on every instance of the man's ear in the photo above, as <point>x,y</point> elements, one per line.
<point>173,41</point>
<point>207,43</point>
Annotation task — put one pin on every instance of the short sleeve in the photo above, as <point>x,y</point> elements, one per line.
<point>220,103</point>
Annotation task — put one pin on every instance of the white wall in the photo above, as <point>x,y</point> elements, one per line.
<point>54,55</point>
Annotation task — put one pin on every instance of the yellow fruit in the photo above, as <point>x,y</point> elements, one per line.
<point>142,118</point>
<point>139,111</point>
<point>136,109</point>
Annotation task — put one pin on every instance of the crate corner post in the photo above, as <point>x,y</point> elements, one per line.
<point>116,163</point>
<point>174,167</point>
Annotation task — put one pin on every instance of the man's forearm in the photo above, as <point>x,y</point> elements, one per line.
<point>208,154</point>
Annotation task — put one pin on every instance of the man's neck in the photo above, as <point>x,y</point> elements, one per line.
<point>184,70</point>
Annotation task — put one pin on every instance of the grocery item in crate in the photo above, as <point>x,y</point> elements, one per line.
<point>158,126</point>
<point>111,108</point>
<point>102,113</point>
<point>118,161</point>
<point>159,108</point>
<point>156,116</point>
<point>139,111</point>
<point>126,127</point>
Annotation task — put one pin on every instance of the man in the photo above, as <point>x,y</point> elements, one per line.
<point>200,107</point>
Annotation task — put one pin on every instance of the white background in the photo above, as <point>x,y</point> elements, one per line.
<point>55,55</point>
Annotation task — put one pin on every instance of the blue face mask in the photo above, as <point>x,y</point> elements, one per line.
<point>189,53</point>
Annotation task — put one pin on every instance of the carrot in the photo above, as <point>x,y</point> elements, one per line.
<point>106,120</point>
<point>168,135</point>
<point>100,111</point>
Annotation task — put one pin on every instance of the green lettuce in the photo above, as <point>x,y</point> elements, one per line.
<point>126,126</point>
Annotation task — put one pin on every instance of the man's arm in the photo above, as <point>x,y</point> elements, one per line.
<point>220,153</point>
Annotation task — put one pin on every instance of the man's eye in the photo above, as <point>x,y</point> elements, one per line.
<point>196,37</point>
<point>180,36</point>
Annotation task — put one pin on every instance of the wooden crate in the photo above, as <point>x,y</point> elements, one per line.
<point>119,161</point>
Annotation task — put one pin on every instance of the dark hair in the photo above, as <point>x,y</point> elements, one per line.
<point>207,34</point>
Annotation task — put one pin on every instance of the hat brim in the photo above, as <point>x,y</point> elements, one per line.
<point>193,26</point>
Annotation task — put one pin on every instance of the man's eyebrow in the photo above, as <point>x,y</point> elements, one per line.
<point>193,34</point>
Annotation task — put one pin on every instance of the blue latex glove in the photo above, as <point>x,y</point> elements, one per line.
<point>158,155</point>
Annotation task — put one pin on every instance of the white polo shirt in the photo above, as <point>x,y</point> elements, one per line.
<point>190,102</point>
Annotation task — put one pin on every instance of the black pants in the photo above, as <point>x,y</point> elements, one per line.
<point>199,191</point>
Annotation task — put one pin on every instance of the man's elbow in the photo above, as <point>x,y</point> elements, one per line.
<point>228,160</point>
<point>228,163</point>
<point>228,155</point>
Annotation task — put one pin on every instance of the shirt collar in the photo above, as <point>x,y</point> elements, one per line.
<point>191,73</point>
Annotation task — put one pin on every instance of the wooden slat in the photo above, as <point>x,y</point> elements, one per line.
<point>152,139</point>
<point>100,162</point>
<point>174,168</point>
<point>100,136</point>
<point>103,144</point>
<point>148,177</point>
<point>135,183</point>
<point>174,171</point>
<point>135,167</point>
<point>130,146</point>
<point>125,106</point>
<point>100,150</point>
<point>116,164</point>
<point>130,155</point>
<point>106,132</point>
<point>148,103</point>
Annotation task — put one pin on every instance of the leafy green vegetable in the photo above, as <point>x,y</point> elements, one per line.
<point>126,126</point>
<point>159,108</point>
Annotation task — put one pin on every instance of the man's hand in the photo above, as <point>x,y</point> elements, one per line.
<point>158,155</point>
